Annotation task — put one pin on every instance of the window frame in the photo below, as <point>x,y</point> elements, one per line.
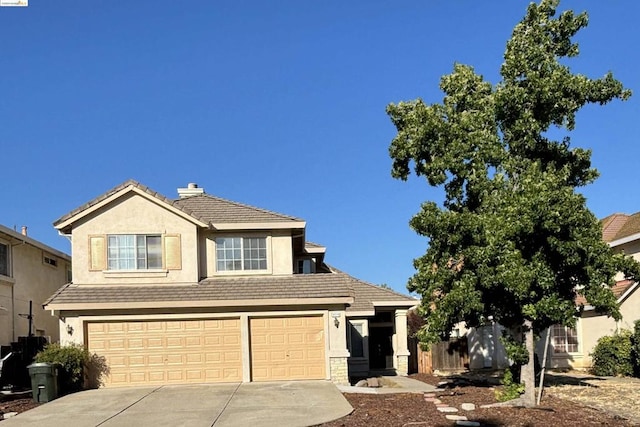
<point>136,257</point>
<point>364,335</point>
<point>565,346</point>
<point>8,271</point>
<point>242,260</point>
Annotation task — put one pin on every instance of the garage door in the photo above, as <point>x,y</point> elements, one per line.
<point>165,352</point>
<point>287,348</point>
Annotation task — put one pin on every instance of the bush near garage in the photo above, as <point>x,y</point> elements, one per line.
<point>72,359</point>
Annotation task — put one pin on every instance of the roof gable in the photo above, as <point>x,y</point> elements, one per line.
<point>64,222</point>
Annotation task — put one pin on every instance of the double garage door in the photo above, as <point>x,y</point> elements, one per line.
<point>208,350</point>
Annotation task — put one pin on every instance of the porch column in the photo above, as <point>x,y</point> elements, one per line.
<point>402,350</point>
<point>338,353</point>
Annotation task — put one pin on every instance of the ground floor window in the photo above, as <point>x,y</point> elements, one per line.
<point>564,339</point>
<point>356,339</point>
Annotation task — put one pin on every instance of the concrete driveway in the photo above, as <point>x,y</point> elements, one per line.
<point>291,403</point>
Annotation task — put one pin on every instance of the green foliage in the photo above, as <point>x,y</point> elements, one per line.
<point>510,389</point>
<point>612,355</point>
<point>516,351</point>
<point>513,238</point>
<point>73,358</point>
<point>635,349</point>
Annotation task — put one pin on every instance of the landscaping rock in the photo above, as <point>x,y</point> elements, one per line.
<point>374,382</point>
<point>9,415</point>
<point>447,409</point>
<point>468,407</point>
<point>468,423</point>
<point>437,401</point>
<point>456,417</point>
<point>362,383</point>
<point>443,383</point>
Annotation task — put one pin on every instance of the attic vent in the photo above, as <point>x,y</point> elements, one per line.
<point>191,190</point>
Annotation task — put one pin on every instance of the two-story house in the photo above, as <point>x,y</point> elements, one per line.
<point>203,289</point>
<point>30,272</point>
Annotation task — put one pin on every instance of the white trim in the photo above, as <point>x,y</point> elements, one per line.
<point>258,225</point>
<point>394,303</point>
<point>620,299</point>
<point>624,240</point>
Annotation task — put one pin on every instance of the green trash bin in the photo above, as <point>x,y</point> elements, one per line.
<point>44,381</point>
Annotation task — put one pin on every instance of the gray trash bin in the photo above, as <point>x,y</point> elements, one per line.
<point>44,381</point>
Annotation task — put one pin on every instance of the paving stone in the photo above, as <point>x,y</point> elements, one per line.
<point>9,415</point>
<point>447,409</point>
<point>441,383</point>
<point>430,399</point>
<point>456,417</point>
<point>374,382</point>
<point>436,401</point>
<point>468,407</point>
<point>468,423</point>
<point>429,395</point>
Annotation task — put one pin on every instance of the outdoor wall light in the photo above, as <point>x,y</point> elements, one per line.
<point>70,329</point>
<point>336,319</point>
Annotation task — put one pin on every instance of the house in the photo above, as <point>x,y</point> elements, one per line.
<point>571,347</point>
<point>30,272</point>
<point>203,289</point>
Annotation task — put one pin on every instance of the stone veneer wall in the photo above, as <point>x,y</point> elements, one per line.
<point>339,370</point>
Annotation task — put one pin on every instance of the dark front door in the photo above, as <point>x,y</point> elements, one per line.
<point>380,347</point>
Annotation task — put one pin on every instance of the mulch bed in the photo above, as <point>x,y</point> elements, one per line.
<point>412,410</point>
<point>17,405</point>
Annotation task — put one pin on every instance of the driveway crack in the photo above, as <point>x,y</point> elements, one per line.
<point>226,404</point>
<point>125,408</point>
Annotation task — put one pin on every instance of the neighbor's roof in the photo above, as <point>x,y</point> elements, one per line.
<point>203,208</point>
<point>267,290</point>
<point>618,226</point>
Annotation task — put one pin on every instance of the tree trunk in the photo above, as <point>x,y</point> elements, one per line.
<point>528,373</point>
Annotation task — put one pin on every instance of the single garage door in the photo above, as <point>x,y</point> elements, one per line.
<point>168,352</point>
<point>287,348</point>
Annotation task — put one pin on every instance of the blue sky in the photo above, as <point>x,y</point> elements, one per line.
<point>278,104</point>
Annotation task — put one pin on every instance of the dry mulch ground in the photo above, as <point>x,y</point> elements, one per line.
<point>412,410</point>
<point>17,405</point>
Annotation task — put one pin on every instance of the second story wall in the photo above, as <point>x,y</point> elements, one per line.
<point>134,240</point>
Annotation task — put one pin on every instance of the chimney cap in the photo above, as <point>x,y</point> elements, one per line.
<point>192,189</point>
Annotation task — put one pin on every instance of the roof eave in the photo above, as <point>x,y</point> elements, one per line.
<point>624,240</point>
<point>274,225</point>
<point>198,304</point>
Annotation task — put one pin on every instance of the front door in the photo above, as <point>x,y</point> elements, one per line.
<point>380,347</point>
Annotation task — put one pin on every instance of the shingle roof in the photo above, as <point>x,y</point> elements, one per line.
<point>618,290</point>
<point>297,286</point>
<point>217,210</point>
<point>618,226</point>
<point>365,294</point>
<point>204,208</point>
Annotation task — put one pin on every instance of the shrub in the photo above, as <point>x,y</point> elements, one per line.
<point>510,389</point>
<point>73,358</point>
<point>612,355</point>
<point>635,349</point>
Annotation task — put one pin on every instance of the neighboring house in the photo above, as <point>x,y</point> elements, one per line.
<point>203,289</point>
<point>571,347</point>
<point>30,271</point>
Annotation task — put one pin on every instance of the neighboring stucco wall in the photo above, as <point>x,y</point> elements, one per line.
<point>31,280</point>
<point>134,214</point>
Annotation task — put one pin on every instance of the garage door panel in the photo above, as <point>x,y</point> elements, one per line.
<point>139,353</point>
<point>287,348</point>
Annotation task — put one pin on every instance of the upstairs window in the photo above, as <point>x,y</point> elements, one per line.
<point>134,252</point>
<point>238,253</point>
<point>304,266</point>
<point>4,259</point>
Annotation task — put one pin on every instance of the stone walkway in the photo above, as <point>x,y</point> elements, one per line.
<point>450,412</point>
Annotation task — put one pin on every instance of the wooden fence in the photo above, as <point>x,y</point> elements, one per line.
<point>452,355</point>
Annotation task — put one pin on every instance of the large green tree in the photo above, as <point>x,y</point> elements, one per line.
<point>513,238</point>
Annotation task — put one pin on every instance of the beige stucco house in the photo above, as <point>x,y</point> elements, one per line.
<point>203,289</point>
<point>571,347</point>
<point>30,271</point>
